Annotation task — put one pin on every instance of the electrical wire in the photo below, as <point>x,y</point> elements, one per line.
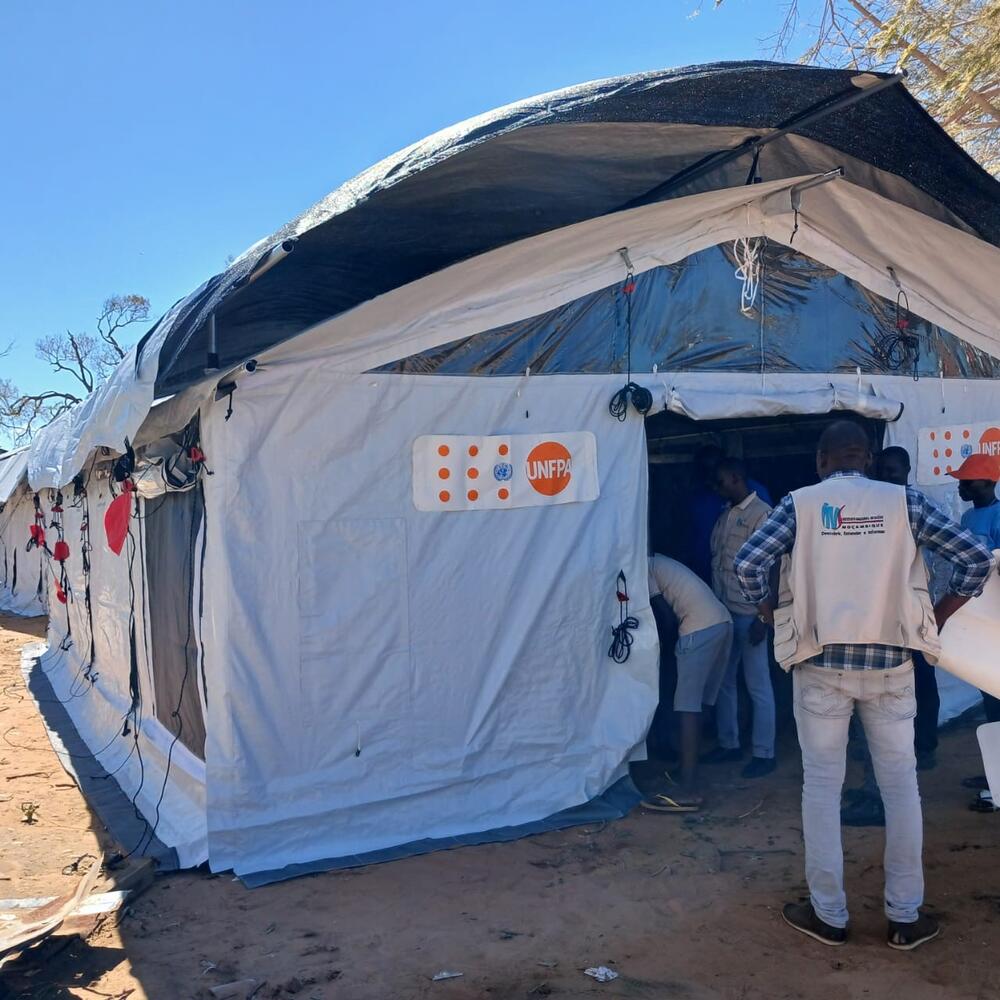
<point>640,397</point>
<point>621,634</point>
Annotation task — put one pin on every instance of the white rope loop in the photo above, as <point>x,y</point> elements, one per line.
<point>748,270</point>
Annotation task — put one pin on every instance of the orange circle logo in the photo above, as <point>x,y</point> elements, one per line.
<point>989,443</point>
<point>548,468</point>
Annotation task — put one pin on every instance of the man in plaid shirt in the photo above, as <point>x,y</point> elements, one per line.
<point>846,560</point>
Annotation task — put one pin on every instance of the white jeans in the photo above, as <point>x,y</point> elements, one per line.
<point>825,700</point>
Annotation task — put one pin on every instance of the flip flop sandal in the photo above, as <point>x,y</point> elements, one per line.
<point>666,804</point>
<point>983,803</point>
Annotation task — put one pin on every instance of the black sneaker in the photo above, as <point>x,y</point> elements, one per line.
<point>906,937</point>
<point>803,918</point>
<point>759,767</point>
<point>864,812</point>
<point>720,755</point>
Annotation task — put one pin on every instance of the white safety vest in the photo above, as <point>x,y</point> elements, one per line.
<point>854,574</point>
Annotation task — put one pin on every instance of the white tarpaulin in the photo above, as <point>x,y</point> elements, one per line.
<point>108,417</point>
<point>468,472</point>
<point>12,470</point>
<point>399,674</point>
<point>712,404</point>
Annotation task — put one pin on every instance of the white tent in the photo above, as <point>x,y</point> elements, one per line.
<point>382,614</point>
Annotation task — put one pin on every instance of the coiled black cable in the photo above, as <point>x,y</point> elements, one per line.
<point>621,634</point>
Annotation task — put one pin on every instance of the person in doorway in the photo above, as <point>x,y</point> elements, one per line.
<point>740,518</point>
<point>704,507</point>
<point>705,632</point>
<point>977,484</point>
<point>864,804</point>
<point>854,584</point>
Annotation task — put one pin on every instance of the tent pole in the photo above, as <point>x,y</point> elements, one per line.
<point>212,361</point>
<point>862,88</point>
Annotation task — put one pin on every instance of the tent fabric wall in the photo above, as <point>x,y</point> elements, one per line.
<point>99,709</point>
<point>19,568</point>
<point>397,675</point>
<point>13,467</point>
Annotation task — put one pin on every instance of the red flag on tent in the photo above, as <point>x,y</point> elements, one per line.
<point>116,519</point>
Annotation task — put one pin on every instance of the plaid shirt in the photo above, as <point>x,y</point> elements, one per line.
<point>970,560</point>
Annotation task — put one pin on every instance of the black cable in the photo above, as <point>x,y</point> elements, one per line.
<point>621,634</point>
<point>641,398</point>
<point>896,350</point>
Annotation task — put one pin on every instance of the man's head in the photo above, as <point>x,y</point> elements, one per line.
<point>705,461</point>
<point>843,447</point>
<point>731,480</point>
<point>977,479</point>
<point>893,465</point>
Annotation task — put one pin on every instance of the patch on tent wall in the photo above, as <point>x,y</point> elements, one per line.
<point>465,472</point>
<point>354,634</point>
<point>941,449</point>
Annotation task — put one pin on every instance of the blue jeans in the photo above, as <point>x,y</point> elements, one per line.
<point>757,674</point>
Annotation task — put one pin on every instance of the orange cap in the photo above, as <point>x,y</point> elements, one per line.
<point>978,466</point>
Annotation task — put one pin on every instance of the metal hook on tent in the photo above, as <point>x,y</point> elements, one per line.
<point>796,194</point>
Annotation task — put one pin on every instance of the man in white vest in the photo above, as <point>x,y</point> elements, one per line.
<point>853,604</point>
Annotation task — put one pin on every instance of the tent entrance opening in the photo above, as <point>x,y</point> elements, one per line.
<point>779,453</point>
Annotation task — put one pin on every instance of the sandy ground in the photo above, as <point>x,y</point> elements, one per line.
<point>681,907</point>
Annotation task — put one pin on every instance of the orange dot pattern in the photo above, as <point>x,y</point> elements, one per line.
<point>475,470</point>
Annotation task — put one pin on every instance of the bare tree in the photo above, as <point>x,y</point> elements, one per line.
<point>82,360</point>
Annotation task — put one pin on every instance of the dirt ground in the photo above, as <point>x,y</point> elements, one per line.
<point>683,908</point>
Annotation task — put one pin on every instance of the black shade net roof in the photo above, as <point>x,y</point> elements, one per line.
<point>549,162</point>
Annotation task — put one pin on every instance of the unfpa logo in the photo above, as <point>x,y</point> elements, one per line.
<point>833,517</point>
<point>549,468</point>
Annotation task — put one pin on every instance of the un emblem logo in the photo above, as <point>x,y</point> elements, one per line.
<point>503,471</point>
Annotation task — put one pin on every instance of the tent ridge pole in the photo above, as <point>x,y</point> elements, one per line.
<point>754,144</point>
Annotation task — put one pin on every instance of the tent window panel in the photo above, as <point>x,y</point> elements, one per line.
<point>687,317</point>
<point>171,528</point>
<point>354,635</point>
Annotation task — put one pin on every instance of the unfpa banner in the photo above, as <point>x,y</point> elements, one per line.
<point>458,472</point>
<point>942,449</point>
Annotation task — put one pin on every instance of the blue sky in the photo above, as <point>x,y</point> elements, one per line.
<point>146,142</point>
